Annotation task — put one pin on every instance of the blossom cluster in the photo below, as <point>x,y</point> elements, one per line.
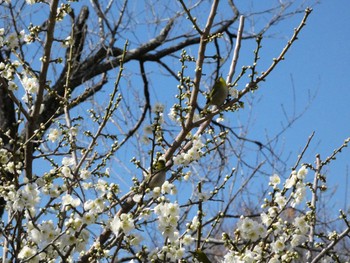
<point>174,249</point>
<point>193,154</point>
<point>282,236</point>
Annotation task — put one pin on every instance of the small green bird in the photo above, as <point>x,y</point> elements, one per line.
<point>158,177</point>
<point>218,93</point>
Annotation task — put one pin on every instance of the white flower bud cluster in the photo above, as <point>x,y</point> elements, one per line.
<point>284,236</point>
<point>193,154</point>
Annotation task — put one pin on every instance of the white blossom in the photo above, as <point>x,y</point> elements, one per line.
<point>167,188</point>
<point>31,85</point>
<point>168,216</point>
<point>302,172</point>
<point>233,93</point>
<point>278,245</point>
<point>275,180</point>
<point>301,224</point>
<point>89,218</point>
<point>187,240</point>
<point>280,199</point>
<point>67,161</point>
<point>69,200</point>
<point>125,223</point>
<point>54,134</point>
<point>26,252</point>
<point>291,181</point>
<point>173,114</point>
<point>250,229</point>
<point>65,170</point>
<point>12,40</point>
<point>12,86</point>
<point>85,174</point>
<point>297,240</point>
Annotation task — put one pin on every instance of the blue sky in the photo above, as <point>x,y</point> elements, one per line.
<point>313,79</point>
<point>318,64</point>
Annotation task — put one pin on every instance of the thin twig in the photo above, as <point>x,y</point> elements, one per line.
<point>331,245</point>
<point>190,17</point>
<point>236,51</point>
<point>286,48</point>
<point>300,156</point>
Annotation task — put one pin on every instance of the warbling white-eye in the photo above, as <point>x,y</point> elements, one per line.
<point>218,93</point>
<point>157,178</point>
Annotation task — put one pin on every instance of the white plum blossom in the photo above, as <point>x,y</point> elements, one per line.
<point>233,93</point>
<point>275,180</point>
<point>10,167</point>
<point>168,216</point>
<point>301,224</point>
<point>65,170</point>
<point>280,200</point>
<point>194,223</point>
<point>54,134</point>
<point>4,156</point>
<point>265,219</point>
<point>187,240</point>
<point>230,257</point>
<point>302,172</point>
<point>85,174</point>
<point>291,181</point>
<point>67,161</point>
<point>31,85</point>
<point>28,38</point>
<point>101,186</point>
<point>274,259</point>
<point>27,197</point>
<point>168,188</point>
<point>250,229</point>
<point>297,240</point>
<point>137,198</point>
<point>89,218</point>
<point>12,40</point>
<point>52,190</point>
<point>12,86</point>
<point>68,200</point>
<point>135,239</point>
<point>123,223</point>
<point>179,159</point>
<point>99,205</point>
<point>173,114</point>
<point>27,252</point>
<point>272,211</point>
<point>299,194</point>
<point>278,245</point>
<point>193,154</point>
<point>44,233</point>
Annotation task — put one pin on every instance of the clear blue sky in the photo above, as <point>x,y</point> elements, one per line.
<point>316,66</point>
<point>318,63</point>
